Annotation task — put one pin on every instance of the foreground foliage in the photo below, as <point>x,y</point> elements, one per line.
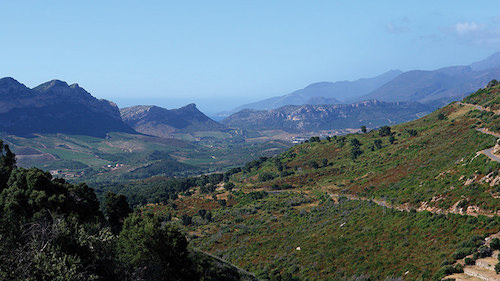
<point>54,230</point>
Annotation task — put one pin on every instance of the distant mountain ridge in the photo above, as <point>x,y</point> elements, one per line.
<point>324,92</point>
<point>310,118</point>
<point>437,87</point>
<point>161,122</point>
<point>56,107</point>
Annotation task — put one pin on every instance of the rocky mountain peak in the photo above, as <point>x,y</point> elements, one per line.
<point>56,107</point>
<point>9,85</point>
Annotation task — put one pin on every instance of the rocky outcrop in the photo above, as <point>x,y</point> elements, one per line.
<point>56,107</point>
<point>307,118</point>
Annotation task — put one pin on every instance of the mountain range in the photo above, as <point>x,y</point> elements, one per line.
<point>325,92</point>
<point>392,97</point>
<point>436,87</point>
<point>56,107</point>
<point>310,118</point>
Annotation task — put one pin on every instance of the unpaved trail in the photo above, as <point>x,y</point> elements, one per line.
<point>489,151</point>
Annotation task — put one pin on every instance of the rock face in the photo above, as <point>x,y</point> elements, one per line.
<point>56,107</point>
<point>161,122</point>
<point>307,118</point>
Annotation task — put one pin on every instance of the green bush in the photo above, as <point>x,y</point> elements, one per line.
<point>495,244</point>
<point>484,251</point>
<point>469,261</point>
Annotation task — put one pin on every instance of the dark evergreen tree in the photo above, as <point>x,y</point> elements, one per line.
<point>117,209</point>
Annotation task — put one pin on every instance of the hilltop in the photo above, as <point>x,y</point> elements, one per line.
<point>56,107</point>
<point>161,122</point>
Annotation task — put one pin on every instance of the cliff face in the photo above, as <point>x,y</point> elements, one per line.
<point>307,118</point>
<point>161,122</point>
<point>56,107</point>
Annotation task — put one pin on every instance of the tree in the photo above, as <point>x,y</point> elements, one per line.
<point>153,251</point>
<point>186,220</point>
<point>363,129</point>
<point>392,139</point>
<point>229,186</point>
<point>7,164</point>
<point>313,164</point>
<point>117,209</point>
<point>208,216</point>
<point>495,244</point>
<point>384,131</point>
<point>202,213</point>
<point>411,132</point>
<point>377,143</point>
<point>484,251</point>
<point>355,152</point>
<point>222,202</point>
<point>355,143</point>
<point>324,162</point>
<point>441,116</point>
<point>314,139</point>
<point>492,83</point>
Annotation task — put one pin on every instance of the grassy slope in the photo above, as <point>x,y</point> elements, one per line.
<point>439,166</point>
<point>335,239</point>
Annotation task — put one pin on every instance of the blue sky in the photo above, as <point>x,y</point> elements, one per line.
<point>220,54</point>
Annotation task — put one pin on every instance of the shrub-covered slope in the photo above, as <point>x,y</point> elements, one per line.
<point>433,162</point>
<point>398,202</point>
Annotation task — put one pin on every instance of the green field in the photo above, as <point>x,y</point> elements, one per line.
<point>84,158</point>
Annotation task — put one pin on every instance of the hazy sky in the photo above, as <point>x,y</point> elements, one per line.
<point>220,54</point>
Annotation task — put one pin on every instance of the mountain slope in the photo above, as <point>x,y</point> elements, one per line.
<point>157,121</point>
<point>56,107</point>
<point>435,87</point>
<point>324,92</point>
<point>441,86</point>
<point>306,118</point>
<point>430,162</point>
<point>392,204</point>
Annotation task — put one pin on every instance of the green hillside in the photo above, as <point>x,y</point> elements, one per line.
<point>399,202</point>
<point>432,162</point>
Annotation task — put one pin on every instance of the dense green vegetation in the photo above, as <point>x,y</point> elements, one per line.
<point>54,230</point>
